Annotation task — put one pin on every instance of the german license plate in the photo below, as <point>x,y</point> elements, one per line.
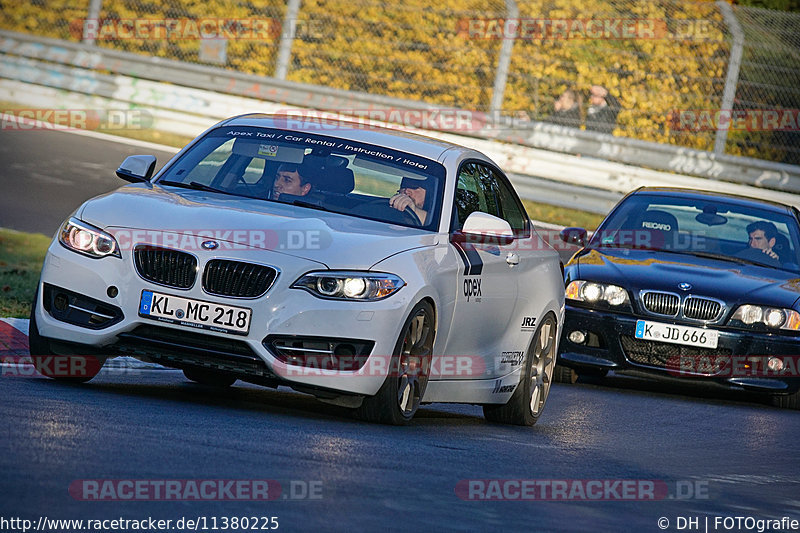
<point>674,334</point>
<point>195,313</point>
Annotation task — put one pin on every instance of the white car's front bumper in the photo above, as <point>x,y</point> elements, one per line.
<point>282,311</point>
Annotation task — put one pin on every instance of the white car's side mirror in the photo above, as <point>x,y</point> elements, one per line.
<point>486,225</point>
<point>137,168</point>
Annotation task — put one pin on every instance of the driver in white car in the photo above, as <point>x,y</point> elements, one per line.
<point>411,194</point>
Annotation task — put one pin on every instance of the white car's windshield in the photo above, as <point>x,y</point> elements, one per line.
<point>703,227</point>
<point>315,171</point>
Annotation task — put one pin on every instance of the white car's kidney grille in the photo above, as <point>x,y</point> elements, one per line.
<point>237,279</point>
<point>661,303</point>
<point>172,268</point>
<point>701,308</point>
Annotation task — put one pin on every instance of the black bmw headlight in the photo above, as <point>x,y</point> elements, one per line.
<point>762,317</point>
<point>598,294</point>
<point>88,240</point>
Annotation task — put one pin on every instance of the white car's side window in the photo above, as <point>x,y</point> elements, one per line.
<point>474,192</point>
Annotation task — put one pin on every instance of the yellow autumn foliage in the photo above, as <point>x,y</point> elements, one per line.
<point>425,51</point>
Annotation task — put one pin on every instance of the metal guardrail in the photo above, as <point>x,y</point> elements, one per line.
<point>91,70</point>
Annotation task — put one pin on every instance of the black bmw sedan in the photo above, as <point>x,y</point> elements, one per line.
<point>690,285</point>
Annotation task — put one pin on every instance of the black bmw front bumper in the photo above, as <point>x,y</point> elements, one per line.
<point>739,361</point>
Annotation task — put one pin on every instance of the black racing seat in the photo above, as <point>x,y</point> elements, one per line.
<point>331,173</point>
<point>659,227</point>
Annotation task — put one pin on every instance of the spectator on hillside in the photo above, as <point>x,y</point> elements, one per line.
<point>567,109</point>
<point>603,110</point>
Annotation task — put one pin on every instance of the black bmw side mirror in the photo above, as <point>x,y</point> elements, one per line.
<point>576,236</point>
<point>137,168</point>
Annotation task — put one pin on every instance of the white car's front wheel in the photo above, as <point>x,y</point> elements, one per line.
<point>527,403</point>
<point>400,395</point>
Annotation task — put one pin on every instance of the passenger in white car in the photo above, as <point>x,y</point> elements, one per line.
<point>291,179</point>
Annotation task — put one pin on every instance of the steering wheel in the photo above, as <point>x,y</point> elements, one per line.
<point>408,215</point>
<point>756,255</point>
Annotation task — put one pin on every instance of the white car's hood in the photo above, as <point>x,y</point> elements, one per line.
<point>338,241</point>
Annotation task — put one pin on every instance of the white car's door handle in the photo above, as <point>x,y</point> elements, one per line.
<point>512,259</point>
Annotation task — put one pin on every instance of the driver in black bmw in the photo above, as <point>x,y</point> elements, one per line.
<point>763,236</point>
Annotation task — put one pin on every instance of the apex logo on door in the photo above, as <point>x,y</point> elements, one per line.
<point>472,289</point>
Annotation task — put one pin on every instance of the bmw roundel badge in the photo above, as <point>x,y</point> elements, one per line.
<point>210,245</point>
<point>684,286</point>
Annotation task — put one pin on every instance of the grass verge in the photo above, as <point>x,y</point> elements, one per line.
<point>21,257</point>
<point>562,216</point>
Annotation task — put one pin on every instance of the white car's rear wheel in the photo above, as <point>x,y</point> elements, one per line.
<point>400,395</point>
<point>527,403</point>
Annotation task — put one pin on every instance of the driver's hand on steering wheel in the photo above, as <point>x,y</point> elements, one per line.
<point>770,252</point>
<point>401,202</point>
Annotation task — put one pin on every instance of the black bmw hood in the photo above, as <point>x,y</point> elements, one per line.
<point>648,269</point>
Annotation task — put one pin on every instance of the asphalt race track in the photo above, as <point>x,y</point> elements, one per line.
<point>709,454</point>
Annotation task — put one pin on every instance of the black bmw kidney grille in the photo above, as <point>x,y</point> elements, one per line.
<point>661,303</point>
<point>166,267</point>
<point>701,308</point>
<point>237,279</point>
<point>663,355</point>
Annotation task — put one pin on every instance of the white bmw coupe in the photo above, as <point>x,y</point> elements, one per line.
<point>371,268</point>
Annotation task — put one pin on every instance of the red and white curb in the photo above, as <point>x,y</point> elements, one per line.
<point>15,352</point>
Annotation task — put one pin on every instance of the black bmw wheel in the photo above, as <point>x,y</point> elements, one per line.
<point>787,401</point>
<point>400,395</point>
<point>527,403</point>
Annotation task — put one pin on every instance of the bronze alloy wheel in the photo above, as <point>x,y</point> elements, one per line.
<point>400,395</point>
<point>526,404</point>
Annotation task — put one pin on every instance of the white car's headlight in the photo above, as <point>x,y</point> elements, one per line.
<point>87,240</point>
<point>591,292</point>
<point>361,286</point>
<point>772,317</point>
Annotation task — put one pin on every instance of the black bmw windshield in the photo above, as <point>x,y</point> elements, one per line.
<point>709,228</point>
